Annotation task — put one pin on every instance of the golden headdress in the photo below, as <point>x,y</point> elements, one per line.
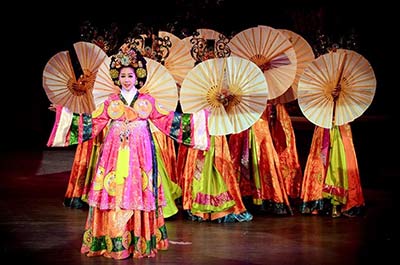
<point>128,56</point>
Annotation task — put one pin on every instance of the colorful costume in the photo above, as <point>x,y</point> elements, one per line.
<point>283,136</point>
<point>166,163</point>
<point>331,176</point>
<point>258,169</point>
<point>83,166</point>
<point>126,198</point>
<point>210,188</point>
<point>77,177</point>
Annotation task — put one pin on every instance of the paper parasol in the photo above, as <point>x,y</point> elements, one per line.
<point>346,68</point>
<point>59,81</point>
<point>272,52</point>
<point>159,84</point>
<point>179,61</point>
<point>234,88</point>
<point>104,85</point>
<point>304,55</point>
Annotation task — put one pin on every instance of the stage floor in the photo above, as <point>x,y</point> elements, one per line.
<point>36,228</point>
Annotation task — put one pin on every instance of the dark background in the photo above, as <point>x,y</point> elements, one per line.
<point>35,32</point>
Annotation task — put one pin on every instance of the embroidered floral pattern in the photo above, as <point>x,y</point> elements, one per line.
<point>88,237</point>
<point>126,239</point>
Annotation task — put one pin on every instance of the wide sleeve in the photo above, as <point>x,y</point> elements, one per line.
<point>72,128</point>
<point>190,129</point>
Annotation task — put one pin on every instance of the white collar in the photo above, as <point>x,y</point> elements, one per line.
<point>128,95</point>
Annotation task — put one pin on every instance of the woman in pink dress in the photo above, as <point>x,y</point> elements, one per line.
<point>126,196</point>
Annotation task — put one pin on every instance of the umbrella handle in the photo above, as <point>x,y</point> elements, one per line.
<point>336,90</point>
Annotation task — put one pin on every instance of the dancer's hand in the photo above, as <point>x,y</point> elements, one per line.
<point>52,107</point>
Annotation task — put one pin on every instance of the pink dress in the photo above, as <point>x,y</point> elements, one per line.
<point>126,196</point>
